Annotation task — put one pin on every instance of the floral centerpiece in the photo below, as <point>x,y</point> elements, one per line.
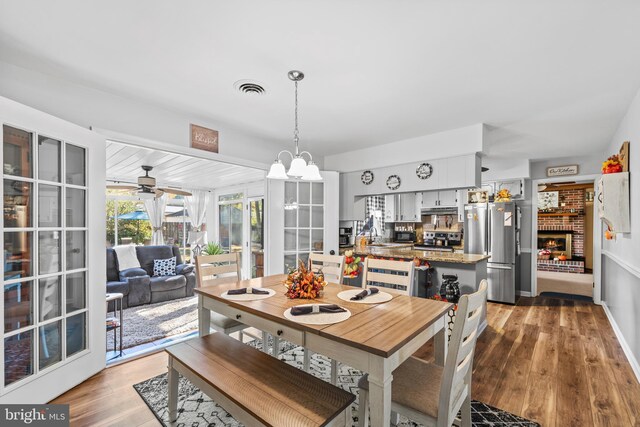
<point>503,195</point>
<point>612,165</point>
<point>352,267</point>
<point>304,283</point>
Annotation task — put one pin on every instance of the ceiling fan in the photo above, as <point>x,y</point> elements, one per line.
<point>147,186</point>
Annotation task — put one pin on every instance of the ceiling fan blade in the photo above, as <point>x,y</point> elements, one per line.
<point>175,191</point>
<point>122,187</point>
<point>158,192</point>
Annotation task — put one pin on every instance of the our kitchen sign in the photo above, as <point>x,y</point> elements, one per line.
<point>562,170</point>
<point>204,139</point>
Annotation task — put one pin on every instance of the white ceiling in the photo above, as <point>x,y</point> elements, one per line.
<point>174,170</point>
<point>550,78</point>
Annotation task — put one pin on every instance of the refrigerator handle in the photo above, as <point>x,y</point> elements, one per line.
<point>488,236</point>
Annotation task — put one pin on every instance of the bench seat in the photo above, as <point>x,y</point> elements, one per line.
<point>255,388</point>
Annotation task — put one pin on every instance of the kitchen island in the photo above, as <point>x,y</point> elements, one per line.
<point>470,268</point>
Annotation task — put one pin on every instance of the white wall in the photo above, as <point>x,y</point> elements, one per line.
<point>89,107</point>
<point>587,165</point>
<point>621,257</point>
<point>504,168</point>
<point>451,143</point>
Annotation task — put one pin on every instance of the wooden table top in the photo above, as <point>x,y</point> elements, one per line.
<point>380,329</point>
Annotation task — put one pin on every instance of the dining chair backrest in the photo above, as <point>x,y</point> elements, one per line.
<point>218,269</point>
<point>459,363</point>
<point>394,276</point>
<point>332,266</point>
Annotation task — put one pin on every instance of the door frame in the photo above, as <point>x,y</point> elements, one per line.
<point>597,234</point>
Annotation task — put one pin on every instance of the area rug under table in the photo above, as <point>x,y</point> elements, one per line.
<point>196,409</point>
<point>150,322</point>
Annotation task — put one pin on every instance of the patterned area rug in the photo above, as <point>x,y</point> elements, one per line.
<point>197,410</point>
<point>151,322</point>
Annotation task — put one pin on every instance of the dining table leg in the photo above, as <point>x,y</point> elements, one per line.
<point>204,318</point>
<point>380,378</point>
<point>441,342</point>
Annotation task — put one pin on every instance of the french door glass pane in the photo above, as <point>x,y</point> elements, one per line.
<point>17,203</point>
<point>18,305</point>
<point>18,357</point>
<point>17,254</point>
<point>303,240</point>
<point>49,159</point>
<point>49,206</point>
<point>304,193</point>
<point>290,192</point>
<point>76,334</point>
<point>303,216</point>
<point>49,297</point>
<point>290,261</point>
<point>236,227</point>
<point>49,251</point>
<point>50,344</point>
<point>317,240</point>
<point>317,216</point>
<point>317,193</point>
<point>17,152</point>
<point>76,283</point>
<point>75,250</point>
<point>290,217</point>
<point>224,226</point>
<point>289,239</point>
<point>75,174</point>
<point>75,207</point>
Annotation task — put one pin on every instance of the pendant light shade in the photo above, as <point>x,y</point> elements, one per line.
<point>277,171</point>
<point>297,168</point>
<point>312,173</point>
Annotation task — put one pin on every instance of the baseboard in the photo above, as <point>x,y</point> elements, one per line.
<point>623,343</point>
<point>525,293</point>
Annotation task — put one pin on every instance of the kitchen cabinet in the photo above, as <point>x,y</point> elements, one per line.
<point>515,187</point>
<point>390,208</point>
<point>359,209</point>
<point>439,199</point>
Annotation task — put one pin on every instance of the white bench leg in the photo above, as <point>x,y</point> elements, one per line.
<point>363,409</point>
<point>241,336</point>
<point>306,360</point>
<point>265,342</point>
<point>334,372</point>
<point>173,392</point>
<point>276,346</point>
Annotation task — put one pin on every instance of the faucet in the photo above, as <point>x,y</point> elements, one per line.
<point>371,230</point>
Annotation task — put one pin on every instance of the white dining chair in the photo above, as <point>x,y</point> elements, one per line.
<point>416,383</point>
<point>393,276</point>
<point>332,266</point>
<point>220,269</point>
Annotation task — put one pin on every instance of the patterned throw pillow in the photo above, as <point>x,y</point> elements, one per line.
<point>164,267</point>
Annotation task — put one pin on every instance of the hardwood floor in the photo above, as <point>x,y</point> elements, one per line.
<point>551,360</point>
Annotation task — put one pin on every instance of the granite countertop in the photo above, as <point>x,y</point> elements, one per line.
<point>409,252</point>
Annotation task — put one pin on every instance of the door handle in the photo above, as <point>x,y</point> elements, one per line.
<point>499,267</point>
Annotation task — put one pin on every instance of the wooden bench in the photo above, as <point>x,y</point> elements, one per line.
<point>255,388</point>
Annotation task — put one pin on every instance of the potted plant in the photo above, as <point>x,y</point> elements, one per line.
<point>213,248</point>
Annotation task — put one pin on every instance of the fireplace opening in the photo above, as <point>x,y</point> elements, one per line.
<point>557,243</point>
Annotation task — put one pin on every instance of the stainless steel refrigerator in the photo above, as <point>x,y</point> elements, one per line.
<point>494,229</point>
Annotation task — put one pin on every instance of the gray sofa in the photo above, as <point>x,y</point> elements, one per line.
<point>138,284</point>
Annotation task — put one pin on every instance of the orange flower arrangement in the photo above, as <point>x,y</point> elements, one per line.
<point>612,165</point>
<point>304,283</point>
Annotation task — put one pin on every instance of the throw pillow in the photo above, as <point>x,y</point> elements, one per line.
<point>127,258</point>
<point>164,267</point>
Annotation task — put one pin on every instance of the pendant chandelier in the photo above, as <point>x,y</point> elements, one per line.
<point>299,168</point>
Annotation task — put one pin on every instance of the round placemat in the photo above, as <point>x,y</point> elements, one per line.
<point>248,297</point>
<point>371,299</point>
<point>317,318</point>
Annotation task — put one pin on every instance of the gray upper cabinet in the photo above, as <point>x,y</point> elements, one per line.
<point>437,199</point>
<point>407,207</point>
<point>390,208</point>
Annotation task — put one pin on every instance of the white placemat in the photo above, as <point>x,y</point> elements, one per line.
<point>318,318</point>
<point>371,299</point>
<point>248,297</point>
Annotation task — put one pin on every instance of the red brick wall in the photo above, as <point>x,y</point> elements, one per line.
<point>561,266</point>
<point>568,200</point>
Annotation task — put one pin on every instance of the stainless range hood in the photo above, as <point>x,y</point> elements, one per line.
<point>447,210</point>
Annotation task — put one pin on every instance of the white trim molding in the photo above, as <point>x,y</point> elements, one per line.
<point>622,263</point>
<point>525,293</point>
<point>623,343</point>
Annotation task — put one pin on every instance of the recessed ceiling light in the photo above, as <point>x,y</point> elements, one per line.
<point>250,87</point>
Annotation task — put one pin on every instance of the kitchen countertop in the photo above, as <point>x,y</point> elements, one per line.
<point>409,252</point>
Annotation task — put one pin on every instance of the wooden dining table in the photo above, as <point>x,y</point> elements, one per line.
<point>376,339</point>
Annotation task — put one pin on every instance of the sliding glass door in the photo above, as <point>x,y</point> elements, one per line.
<point>231,222</point>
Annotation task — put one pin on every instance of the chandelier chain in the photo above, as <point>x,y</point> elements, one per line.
<point>295,130</point>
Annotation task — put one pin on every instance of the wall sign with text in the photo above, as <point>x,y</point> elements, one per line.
<point>204,139</point>
<point>562,170</point>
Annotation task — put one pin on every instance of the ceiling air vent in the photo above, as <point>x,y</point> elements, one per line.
<point>250,87</point>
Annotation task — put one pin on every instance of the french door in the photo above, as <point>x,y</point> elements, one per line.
<point>53,307</point>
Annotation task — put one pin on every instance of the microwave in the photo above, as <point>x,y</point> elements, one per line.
<point>405,236</point>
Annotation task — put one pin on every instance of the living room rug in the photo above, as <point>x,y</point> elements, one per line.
<point>151,322</point>
<point>196,409</point>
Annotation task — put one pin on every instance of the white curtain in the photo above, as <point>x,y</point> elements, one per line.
<point>155,209</point>
<point>196,205</point>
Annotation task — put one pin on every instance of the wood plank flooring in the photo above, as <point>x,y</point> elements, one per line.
<point>552,360</point>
